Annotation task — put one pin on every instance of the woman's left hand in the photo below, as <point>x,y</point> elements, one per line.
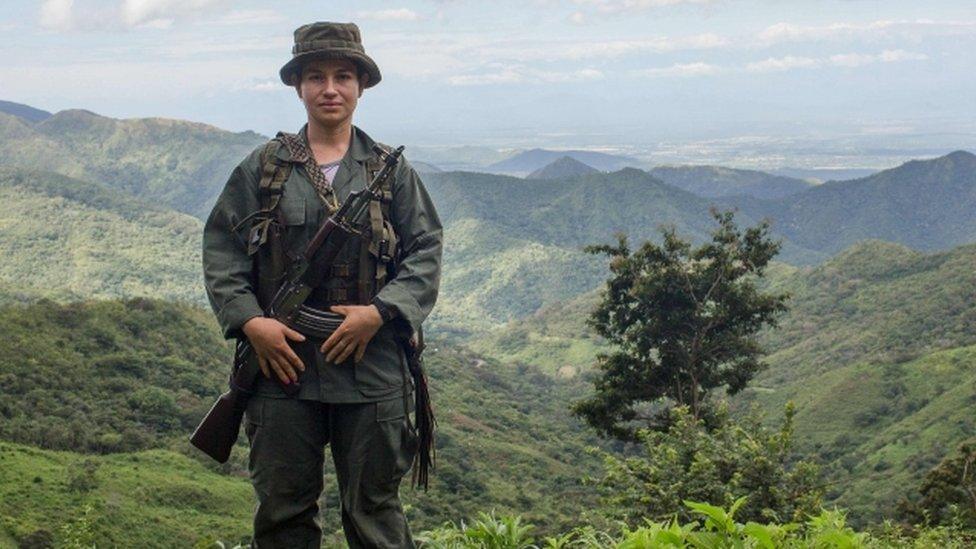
<point>357,329</point>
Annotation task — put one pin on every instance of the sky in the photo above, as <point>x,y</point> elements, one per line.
<point>586,73</point>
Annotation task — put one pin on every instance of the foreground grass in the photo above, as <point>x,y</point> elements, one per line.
<point>145,499</point>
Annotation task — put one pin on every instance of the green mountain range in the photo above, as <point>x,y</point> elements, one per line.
<point>515,245</point>
<point>923,204</point>
<point>878,349</point>
<point>26,112</point>
<point>717,181</point>
<point>564,167</point>
<point>182,165</point>
<point>529,161</point>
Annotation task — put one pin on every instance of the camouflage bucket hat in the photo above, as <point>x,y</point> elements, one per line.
<point>324,40</point>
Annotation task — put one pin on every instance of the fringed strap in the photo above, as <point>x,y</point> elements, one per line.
<point>424,414</point>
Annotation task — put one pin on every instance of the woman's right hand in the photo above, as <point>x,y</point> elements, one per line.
<point>270,341</point>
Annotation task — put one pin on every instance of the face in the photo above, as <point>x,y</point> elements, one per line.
<point>330,90</point>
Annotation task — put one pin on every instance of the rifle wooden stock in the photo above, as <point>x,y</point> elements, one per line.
<point>217,433</point>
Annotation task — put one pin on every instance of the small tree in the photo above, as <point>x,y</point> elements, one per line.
<point>948,492</point>
<point>683,322</point>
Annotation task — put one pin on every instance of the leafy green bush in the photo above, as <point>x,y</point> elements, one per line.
<point>720,465</point>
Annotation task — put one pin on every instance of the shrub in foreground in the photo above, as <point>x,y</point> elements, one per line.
<point>712,528</point>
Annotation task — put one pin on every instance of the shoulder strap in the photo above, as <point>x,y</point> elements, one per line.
<point>379,250</point>
<point>265,236</point>
<point>273,176</point>
<point>299,150</point>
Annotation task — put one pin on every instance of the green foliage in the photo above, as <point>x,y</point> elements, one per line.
<point>948,491</point>
<point>878,342</point>
<point>486,532</point>
<point>107,376</point>
<point>716,181</point>
<point>554,338</point>
<point>154,498</point>
<point>504,440</point>
<point>68,239</point>
<point>740,464</point>
<point>877,351</point>
<point>81,476</point>
<point>79,533</point>
<point>121,376</point>
<point>710,527</point>
<point>681,323</point>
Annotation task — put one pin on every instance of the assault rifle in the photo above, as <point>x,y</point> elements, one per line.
<point>218,431</point>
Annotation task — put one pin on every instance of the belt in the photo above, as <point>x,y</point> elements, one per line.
<point>315,322</point>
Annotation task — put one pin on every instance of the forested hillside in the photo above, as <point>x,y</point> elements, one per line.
<point>100,391</point>
<point>515,245</point>
<point>496,224</point>
<point>179,164</point>
<point>67,239</point>
<point>716,181</point>
<point>128,376</point>
<point>923,204</point>
<point>876,351</point>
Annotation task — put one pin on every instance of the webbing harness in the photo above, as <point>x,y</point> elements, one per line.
<point>377,252</point>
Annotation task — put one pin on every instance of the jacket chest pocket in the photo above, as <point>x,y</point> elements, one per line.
<point>292,209</point>
<point>293,216</point>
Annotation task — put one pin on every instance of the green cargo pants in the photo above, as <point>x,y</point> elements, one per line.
<point>372,447</point>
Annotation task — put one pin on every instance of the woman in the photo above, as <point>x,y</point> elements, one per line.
<point>348,390</point>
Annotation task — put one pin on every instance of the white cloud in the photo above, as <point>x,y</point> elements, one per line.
<point>507,76</point>
<point>582,75</point>
<point>267,85</point>
<point>399,14</point>
<point>775,64</point>
<point>474,58</point>
<point>577,18</point>
<point>92,15</point>
<point>851,59</point>
<point>518,73</point>
<point>57,15</point>
<point>624,6</point>
<point>872,30</point>
<point>555,50</point>
<point>126,80</point>
<point>191,49</point>
<point>249,17</point>
<point>162,23</point>
<point>889,56</point>
<point>680,70</point>
<point>137,12</point>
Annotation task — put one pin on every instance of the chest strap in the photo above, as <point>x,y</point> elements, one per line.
<point>378,252</point>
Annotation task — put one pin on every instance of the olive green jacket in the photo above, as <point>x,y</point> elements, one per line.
<point>410,295</point>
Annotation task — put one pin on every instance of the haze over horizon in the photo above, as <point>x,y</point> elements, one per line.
<point>747,83</point>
